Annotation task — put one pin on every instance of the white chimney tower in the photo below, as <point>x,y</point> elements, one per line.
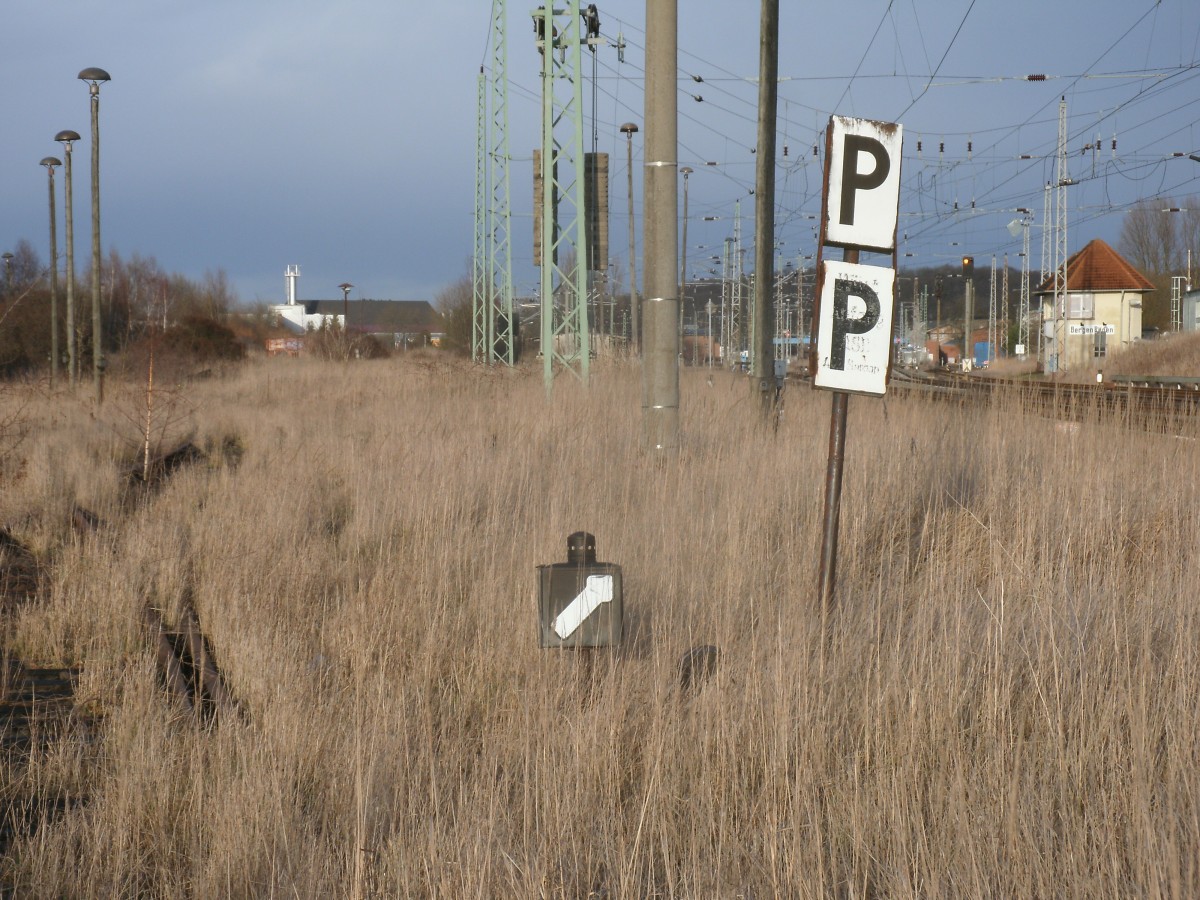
<point>291,276</point>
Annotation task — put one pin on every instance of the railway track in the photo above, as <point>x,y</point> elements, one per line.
<point>1151,405</point>
<point>38,710</point>
<point>187,668</point>
<point>41,714</point>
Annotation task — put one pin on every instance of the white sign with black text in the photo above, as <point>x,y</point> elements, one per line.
<point>863,196</point>
<point>854,334</point>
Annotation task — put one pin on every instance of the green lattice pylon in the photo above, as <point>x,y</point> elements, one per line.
<point>493,327</point>
<point>563,259</point>
<point>481,287</point>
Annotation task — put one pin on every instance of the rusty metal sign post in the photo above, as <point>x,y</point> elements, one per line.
<point>855,303</point>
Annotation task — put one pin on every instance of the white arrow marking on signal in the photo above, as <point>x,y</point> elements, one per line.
<point>599,589</point>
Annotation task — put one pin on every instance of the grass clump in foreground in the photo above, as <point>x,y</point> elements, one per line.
<point>1006,705</point>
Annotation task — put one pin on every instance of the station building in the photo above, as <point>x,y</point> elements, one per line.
<point>1099,313</point>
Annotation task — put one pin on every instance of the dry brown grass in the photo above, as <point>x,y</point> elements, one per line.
<point>1008,707</point>
<point>1172,354</point>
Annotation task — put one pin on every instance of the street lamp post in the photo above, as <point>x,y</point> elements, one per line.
<point>345,286</point>
<point>67,138</point>
<point>50,162</point>
<point>629,129</point>
<point>8,258</point>
<point>94,78</point>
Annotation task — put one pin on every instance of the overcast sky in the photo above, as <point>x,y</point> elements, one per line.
<point>247,136</point>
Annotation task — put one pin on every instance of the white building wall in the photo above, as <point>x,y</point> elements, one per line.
<point>293,317</point>
<point>1118,314</point>
<point>1191,311</point>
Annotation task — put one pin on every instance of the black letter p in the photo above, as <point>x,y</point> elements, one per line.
<point>843,325</point>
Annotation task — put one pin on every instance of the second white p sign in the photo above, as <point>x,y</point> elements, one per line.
<point>855,330</point>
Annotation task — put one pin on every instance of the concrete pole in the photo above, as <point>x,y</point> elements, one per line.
<point>763,371</point>
<point>660,319</point>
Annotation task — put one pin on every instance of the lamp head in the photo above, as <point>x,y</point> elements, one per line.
<point>94,76</point>
<point>50,162</point>
<point>629,128</point>
<point>66,137</point>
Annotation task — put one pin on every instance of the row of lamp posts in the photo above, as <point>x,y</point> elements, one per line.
<point>94,78</point>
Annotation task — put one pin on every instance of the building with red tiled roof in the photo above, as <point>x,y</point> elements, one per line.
<point>1098,312</point>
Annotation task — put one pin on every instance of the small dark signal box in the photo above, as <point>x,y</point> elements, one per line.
<point>580,602</point>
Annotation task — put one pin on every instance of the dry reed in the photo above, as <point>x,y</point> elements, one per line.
<point>1008,706</point>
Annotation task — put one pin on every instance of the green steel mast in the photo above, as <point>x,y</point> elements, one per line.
<point>493,329</point>
<point>563,256</point>
<point>501,345</point>
<point>481,289</point>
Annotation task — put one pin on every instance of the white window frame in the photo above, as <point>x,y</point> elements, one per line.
<point>1081,305</point>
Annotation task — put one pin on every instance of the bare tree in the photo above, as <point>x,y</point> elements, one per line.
<point>454,302</point>
<point>1156,243</point>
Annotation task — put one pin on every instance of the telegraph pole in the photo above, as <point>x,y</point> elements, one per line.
<point>1060,242</point>
<point>968,271</point>
<point>736,313</point>
<point>992,319</point>
<point>763,363</point>
<point>1023,325</point>
<point>660,313</point>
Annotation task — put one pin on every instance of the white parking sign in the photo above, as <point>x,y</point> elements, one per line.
<point>855,328</point>
<point>863,193</point>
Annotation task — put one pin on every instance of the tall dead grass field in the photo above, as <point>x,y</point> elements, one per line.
<point>1005,704</point>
